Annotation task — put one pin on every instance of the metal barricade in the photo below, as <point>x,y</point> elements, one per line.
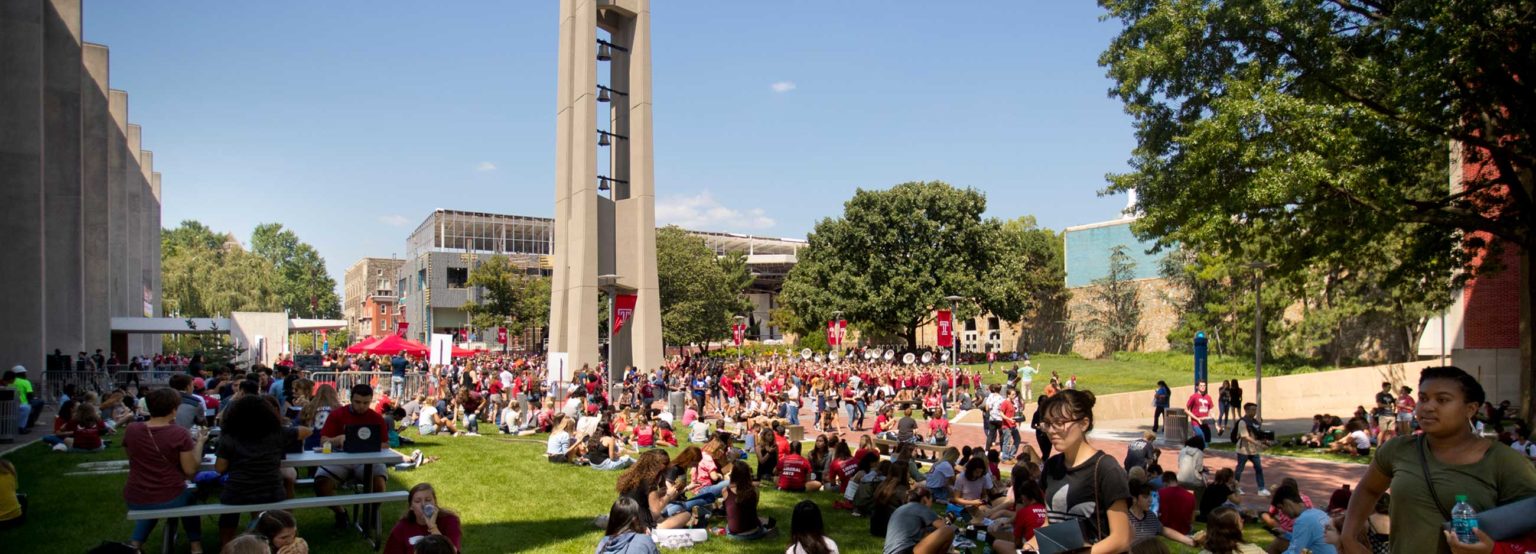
<point>343,381</point>
<point>10,414</point>
<point>87,381</point>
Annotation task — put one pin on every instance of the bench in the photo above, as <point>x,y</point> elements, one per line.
<point>888,446</point>
<point>203,510</point>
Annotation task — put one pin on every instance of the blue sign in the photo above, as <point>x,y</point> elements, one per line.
<point>1200,354</point>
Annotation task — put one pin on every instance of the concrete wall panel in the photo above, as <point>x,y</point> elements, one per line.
<point>96,123</point>
<point>21,182</point>
<point>63,230</point>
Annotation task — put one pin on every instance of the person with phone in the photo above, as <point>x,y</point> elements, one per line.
<point>423,519</point>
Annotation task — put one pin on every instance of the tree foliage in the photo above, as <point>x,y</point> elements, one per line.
<point>512,298</point>
<point>896,254</point>
<point>204,275</point>
<point>1112,314</point>
<point>304,287</point>
<point>1314,135</point>
<point>700,291</point>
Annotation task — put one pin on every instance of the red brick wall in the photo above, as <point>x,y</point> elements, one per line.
<point>1492,316</point>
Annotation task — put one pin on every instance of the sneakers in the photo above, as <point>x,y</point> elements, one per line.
<point>1263,492</point>
<point>341,519</point>
<point>60,448</point>
<point>416,458</point>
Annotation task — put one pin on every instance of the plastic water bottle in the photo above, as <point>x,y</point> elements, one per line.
<point>1464,520</point>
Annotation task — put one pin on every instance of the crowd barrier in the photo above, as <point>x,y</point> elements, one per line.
<point>343,381</point>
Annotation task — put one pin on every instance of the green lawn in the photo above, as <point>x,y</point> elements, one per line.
<point>509,498</point>
<point>1299,452</point>
<point>1126,373</point>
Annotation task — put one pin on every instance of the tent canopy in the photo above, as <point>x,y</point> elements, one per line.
<point>391,345</point>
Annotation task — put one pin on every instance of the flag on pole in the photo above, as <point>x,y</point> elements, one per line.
<point>623,309</point>
<point>946,327</point>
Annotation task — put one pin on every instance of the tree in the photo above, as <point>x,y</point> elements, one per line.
<point>895,254</point>
<point>1113,312</point>
<point>1322,129</point>
<point>512,298</point>
<point>700,292</point>
<point>305,288</point>
<point>203,276</point>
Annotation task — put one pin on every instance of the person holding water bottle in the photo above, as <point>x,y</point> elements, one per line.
<point>423,519</point>
<point>1447,473</point>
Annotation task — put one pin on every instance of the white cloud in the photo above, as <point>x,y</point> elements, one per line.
<point>485,166</point>
<point>394,220</point>
<point>701,212</point>
<point>783,86</point>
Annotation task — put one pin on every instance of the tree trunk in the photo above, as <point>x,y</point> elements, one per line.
<point>910,335</point>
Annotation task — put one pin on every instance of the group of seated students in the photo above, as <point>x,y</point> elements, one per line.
<point>165,449</point>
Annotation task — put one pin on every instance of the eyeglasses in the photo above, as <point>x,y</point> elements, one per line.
<point>1057,423</point>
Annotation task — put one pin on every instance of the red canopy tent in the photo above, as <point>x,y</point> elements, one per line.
<point>392,344</point>
<point>359,347</point>
<point>463,352</point>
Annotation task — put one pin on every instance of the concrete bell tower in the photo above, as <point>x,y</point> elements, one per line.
<point>605,213</point>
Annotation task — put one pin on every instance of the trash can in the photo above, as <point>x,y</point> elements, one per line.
<point>1175,427</point>
<point>10,414</point>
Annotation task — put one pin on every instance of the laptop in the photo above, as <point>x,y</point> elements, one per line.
<point>362,439</point>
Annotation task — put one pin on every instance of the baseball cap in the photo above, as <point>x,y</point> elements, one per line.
<point>19,369</point>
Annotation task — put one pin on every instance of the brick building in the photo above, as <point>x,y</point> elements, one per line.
<point>370,303</point>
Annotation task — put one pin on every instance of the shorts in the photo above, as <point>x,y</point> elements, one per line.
<point>1405,420</point>
<point>1386,423</point>
<point>425,430</point>
<point>343,474</point>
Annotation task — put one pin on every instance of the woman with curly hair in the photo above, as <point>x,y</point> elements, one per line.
<point>646,484</point>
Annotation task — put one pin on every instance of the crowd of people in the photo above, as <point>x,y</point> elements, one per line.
<point>919,490</point>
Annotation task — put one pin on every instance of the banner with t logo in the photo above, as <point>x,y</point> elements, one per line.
<point>623,309</point>
<point>946,326</point>
<point>501,335</point>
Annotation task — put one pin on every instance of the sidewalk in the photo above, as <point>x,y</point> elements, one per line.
<point>44,426</point>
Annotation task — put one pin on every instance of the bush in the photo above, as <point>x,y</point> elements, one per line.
<point>1226,366</point>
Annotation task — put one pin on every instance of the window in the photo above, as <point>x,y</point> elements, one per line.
<point>992,323</point>
<point>970,325</point>
<point>383,309</point>
<point>458,277</point>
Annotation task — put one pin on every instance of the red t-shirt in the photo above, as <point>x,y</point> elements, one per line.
<point>154,463</point>
<point>406,529</point>
<point>794,471</point>
<point>1178,508</point>
<point>1008,410</point>
<point>1199,406</point>
<point>783,443</point>
<point>1026,520</point>
<point>862,452</point>
<point>86,438</point>
<point>342,416</point>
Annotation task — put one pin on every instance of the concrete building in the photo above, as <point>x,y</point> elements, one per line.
<point>432,279</point>
<point>79,204</point>
<point>1087,249</point>
<point>369,301</point>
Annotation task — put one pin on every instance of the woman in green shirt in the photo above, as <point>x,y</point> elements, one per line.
<point>1459,462</point>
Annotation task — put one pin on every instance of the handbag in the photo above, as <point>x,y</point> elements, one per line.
<point>1503,523</point>
<point>1072,534</point>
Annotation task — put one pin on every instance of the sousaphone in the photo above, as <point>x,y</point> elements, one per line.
<point>908,358</point>
<point>805,354</point>
<point>928,357</point>
<point>890,354</point>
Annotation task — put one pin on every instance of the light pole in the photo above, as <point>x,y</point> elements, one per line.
<point>954,340</point>
<point>1258,334</point>
<point>609,282</point>
<point>837,319</point>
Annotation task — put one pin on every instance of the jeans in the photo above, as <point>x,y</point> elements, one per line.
<point>1157,414</point>
<point>25,418</point>
<point>472,423</point>
<point>1008,442</point>
<point>990,428</point>
<point>612,464</point>
<point>705,497</point>
<point>792,412</point>
<point>861,413</point>
<point>1221,418</point>
<point>193,524</point>
<point>396,387</point>
<point>852,411</point>
<point>1258,469</point>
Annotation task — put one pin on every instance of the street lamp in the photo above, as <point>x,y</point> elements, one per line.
<point>608,283</point>
<point>954,341</point>
<point>1258,268</point>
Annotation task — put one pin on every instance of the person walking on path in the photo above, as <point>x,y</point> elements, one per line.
<point>1159,403</point>
<point>1200,406</point>
<point>1250,446</point>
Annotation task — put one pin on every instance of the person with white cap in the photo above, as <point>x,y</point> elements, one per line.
<point>31,406</point>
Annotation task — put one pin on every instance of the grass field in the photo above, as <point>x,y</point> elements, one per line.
<point>1299,452</point>
<point>1125,373</point>
<point>509,498</point>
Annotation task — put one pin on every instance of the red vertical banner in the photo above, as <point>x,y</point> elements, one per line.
<point>831,333</point>
<point>738,332</point>
<point>842,331</point>
<point>623,309</point>
<point>400,329</point>
<point>946,327</point>
<point>501,335</point>
<point>463,335</point>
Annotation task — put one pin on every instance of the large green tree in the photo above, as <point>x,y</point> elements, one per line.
<point>1296,131</point>
<point>203,276</point>
<point>700,291</point>
<point>896,254</point>
<point>303,284</point>
<point>1112,314</point>
<point>513,298</point>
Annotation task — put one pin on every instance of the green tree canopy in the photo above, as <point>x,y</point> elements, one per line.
<point>1310,133</point>
<point>513,298</point>
<point>700,292</point>
<point>201,277</point>
<point>303,284</point>
<point>1113,313</point>
<point>895,254</point>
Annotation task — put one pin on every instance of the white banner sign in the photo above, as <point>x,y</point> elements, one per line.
<point>442,349</point>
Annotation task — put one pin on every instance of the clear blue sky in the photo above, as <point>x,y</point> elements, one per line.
<point>349,121</point>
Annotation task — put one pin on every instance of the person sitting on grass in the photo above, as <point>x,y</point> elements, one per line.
<point>1356,442</point>
<point>627,531</point>
<point>81,433</point>
<point>972,485</point>
<point>562,447</point>
<point>13,506</point>
<point>605,452</point>
<point>889,496</point>
<point>941,477</point>
<point>767,454</point>
<point>807,531</point>
<point>795,472</point>
<point>1221,492</point>
<point>863,468</point>
<point>742,521</point>
<point>1224,534</point>
<point>423,518</point>
<point>1028,515</point>
<point>161,457</point>
<point>431,419</point>
<point>646,484</point>
<point>1144,523</point>
<point>914,527</point>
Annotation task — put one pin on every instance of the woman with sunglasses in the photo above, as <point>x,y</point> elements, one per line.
<point>1082,483</point>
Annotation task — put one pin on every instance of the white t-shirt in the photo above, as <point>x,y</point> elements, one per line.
<point>699,432</point>
<point>424,419</point>
<point>795,548</point>
<point>1525,448</point>
<point>506,379</point>
<point>994,404</point>
<point>1362,440</point>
